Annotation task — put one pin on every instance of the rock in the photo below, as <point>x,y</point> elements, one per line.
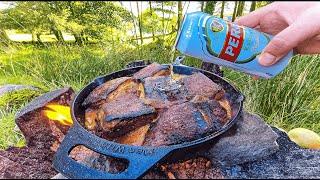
<point>26,162</point>
<point>289,162</point>
<point>36,128</point>
<point>4,163</point>
<point>43,136</point>
<point>249,139</point>
<point>12,87</point>
<point>44,99</point>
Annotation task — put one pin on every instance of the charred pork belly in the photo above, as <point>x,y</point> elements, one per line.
<point>125,114</point>
<point>106,93</point>
<point>135,137</point>
<point>199,84</point>
<point>171,127</point>
<point>91,117</point>
<point>211,110</point>
<point>153,69</point>
<point>186,122</point>
<point>163,91</point>
<point>102,91</point>
<point>155,107</point>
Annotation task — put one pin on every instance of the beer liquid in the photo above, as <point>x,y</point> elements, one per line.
<point>221,42</point>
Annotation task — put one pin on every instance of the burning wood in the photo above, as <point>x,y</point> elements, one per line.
<point>59,113</point>
<point>43,122</point>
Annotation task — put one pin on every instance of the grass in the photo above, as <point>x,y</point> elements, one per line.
<point>9,136</point>
<point>292,99</point>
<point>16,99</point>
<point>10,103</point>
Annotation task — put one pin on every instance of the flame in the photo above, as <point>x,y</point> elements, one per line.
<point>59,113</point>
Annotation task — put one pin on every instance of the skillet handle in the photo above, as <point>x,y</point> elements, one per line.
<point>140,159</point>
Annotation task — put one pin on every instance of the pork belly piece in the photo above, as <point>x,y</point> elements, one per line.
<point>153,69</point>
<point>175,125</point>
<point>199,84</point>
<point>102,91</point>
<point>91,116</point>
<point>212,112</point>
<point>183,122</point>
<point>163,91</point>
<point>124,114</point>
<point>135,137</point>
<point>226,105</point>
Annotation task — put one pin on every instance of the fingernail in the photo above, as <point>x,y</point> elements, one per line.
<point>267,59</point>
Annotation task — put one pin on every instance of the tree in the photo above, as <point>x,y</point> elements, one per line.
<point>260,4</point>
<point>240,8</point>
<point>222,9</point>
<point>253,6</point>
<point>234,14</point>
<point>134,23</point>
<point>4,38</point>
<point>179,13</point>
<point>151,14</point>
<point>202,6</point>
<point>57,18</point>
<point>210,7</point>
<point>33,20</point>
<point>162,9</point>
<point>139,23</point>
<point>166,9</point>
<point>91,19</point>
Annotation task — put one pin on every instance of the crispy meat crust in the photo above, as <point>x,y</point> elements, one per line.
<point>125,114</point>
<point>153,69</point>
<point>185,122</point>
<point>199,84</point>
<point>102,91</point>
<point>155,107</point>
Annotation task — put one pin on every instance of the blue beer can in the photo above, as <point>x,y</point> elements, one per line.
<point>212,39</point>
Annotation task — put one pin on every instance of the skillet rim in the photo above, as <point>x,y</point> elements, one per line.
<point>107,77</point>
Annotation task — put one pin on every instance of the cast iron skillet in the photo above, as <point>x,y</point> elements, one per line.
<point>140,158</point>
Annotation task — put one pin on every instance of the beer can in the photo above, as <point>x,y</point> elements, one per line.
<point>212,39</point>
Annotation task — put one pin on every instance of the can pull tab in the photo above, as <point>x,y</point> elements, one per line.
<point>179,60</point>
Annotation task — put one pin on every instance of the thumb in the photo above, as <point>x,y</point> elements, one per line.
<point>286,40</point>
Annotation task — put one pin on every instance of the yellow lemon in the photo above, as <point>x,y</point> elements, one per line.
<point>305,138</point>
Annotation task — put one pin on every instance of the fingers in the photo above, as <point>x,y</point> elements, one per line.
<point>253,19</point>
<point>289,38</point>
<point>310,46</point>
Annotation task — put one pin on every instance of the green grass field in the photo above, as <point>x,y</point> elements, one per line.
<point>292,99</point>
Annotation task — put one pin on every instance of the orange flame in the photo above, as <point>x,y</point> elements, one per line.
<point>59,113</point>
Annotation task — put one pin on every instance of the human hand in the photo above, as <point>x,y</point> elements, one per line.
<point>296,25</point>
